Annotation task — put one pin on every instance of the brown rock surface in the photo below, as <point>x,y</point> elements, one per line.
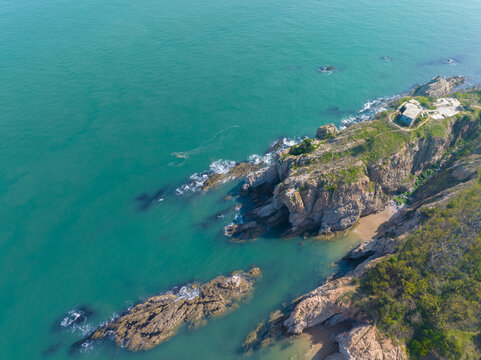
<point>364,342</point>
<point>158,318</point>
<point>438,86</point>
<point>327,131</point>
<point>239,170</point>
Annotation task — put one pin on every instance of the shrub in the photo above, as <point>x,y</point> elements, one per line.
<point>304,147</point>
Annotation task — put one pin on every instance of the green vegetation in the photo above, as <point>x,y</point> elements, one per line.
<point>469,98</point>
<point>332,181</point>
<point>304,147</point>
<point>401,101</point>
<point>422,179</point>
<point>426,101</point>
<point>380,139</point>
<point>437,313</point>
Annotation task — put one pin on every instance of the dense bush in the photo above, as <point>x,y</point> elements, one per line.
<point>304,147</point>
<point>438,314</point>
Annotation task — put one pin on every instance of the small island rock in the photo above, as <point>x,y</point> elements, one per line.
<point>156,319</point>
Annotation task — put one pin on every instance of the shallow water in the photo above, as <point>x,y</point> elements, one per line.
<point>103,102</point>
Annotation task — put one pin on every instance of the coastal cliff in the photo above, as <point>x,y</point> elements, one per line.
<point>387,303</point>
<point>327,183</point>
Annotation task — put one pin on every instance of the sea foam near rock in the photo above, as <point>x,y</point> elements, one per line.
<point>76,320</point>
<point>221,166</point>
<point>368,111</point>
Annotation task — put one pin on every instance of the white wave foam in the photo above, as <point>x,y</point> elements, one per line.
<point>267,158</point>
<point>86,347</point>
<point>226,233</point>
<point>257,159</point>
<point>221,166</point>
<point>187,292</point>
<point>76,321</point>
<point>72,316</point>
<point>368,111</point>
<point>290,142</point>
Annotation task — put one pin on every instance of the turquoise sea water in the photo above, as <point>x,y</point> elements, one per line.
<point>95,96</point>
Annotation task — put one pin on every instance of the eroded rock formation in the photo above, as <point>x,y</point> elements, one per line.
<point>364,342</point>
<point>438,86</point>
<point>158,318</point>
<point>344,178</point>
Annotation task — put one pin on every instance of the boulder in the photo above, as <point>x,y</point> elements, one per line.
<point>328,131</point>
<point>364,342</point>
<point>246,231</point>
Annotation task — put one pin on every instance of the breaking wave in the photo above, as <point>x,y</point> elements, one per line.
<point>220,166</point>
<point>368,111</point>
<point>187,292</point>
<point>197,179</point>
<point>76,321</point>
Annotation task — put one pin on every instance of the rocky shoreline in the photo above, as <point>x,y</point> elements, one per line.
<point>327,183</point>
<point>315,188</point>
<point>331,303</point>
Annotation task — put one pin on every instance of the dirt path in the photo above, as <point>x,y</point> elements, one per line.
<point>407,129</point>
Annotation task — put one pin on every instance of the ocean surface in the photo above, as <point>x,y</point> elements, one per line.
<point>107,107</point>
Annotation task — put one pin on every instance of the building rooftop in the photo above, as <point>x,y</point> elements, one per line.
<point>411,109</point>
<point>444,108</point>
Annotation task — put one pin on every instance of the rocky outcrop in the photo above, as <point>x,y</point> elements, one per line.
<point>327,302</point>
<point>239,170</point>
<point>364,342</point>
<point>330,188</point>
<point>158,318</point>
<point>322,304</point>
<point>328,131</point>
<point>328,305</point>
<point>246,231</point>
<point>438,86</point>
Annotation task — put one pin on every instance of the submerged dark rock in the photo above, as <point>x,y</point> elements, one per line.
<point>145,200</point>
<point>326,69</point>
<point>246,231</point>
<point>159,317</point>
<point>76,316</point>
<point>52,349</point>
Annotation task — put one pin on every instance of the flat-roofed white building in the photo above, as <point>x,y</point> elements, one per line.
<point>444,108</point>
<point>410,111</point>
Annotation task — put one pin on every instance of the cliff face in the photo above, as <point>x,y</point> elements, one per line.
<point>344,177</point>
<point>364,342</point>
<point>329,182</point>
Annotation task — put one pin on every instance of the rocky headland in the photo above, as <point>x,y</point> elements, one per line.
<point>159,317</point>
<point>329,182</point>
<point>325,184</point>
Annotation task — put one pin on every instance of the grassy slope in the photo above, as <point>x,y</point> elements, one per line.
<point>437,314</point>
